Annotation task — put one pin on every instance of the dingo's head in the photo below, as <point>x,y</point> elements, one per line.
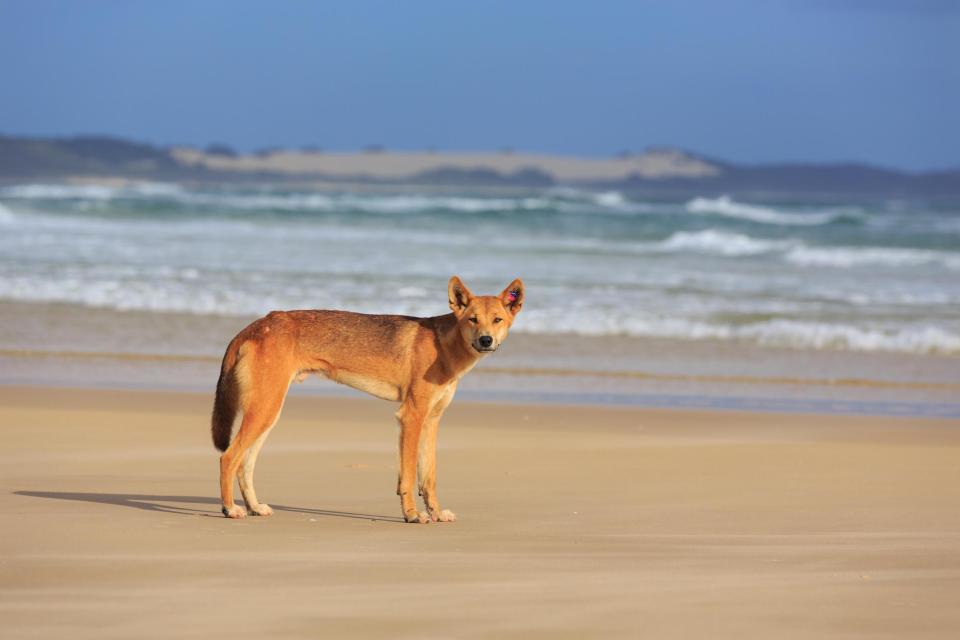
<point>484,320</point>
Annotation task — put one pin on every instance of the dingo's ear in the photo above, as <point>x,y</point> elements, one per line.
<point>459,295</point>
<point>512,296</point>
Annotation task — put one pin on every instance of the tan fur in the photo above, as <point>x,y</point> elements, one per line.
<point>414,361</point>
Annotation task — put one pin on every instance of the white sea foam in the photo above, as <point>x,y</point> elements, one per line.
<point>415,204</point>
<point>393,204</point>
<point>59,192</point>
<point>42,191</point>
<point>612,199</point>
<point>562,199</point>
<point>722,243</point>
<point>209,290</point>
<point>727,207</point>
<point>819,335</point>
<point>6,215</point>
<point>794,334</point>
<point>796,252</point>
<point>611,202</point>
<point>258,201</point>
<point>846,257</point>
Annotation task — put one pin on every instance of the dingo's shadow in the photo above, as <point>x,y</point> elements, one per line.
<point>174,504</point>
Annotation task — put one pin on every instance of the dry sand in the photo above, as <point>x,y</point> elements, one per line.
<point>574,522</point>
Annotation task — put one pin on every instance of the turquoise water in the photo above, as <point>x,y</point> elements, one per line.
<point>853,275</point>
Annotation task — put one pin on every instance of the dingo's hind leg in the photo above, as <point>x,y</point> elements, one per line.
<point>245,473</point>
<point>240,458</point>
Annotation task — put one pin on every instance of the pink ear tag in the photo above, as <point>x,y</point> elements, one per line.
<point>514,295</point>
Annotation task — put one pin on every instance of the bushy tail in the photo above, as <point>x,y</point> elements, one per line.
<point>227,401</point>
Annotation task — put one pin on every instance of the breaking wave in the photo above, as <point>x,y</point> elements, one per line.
<point>727,207</point>
<point>193,291</point>
<point>597,262</point>
<point>565,200</point>
<point>849,257</point>
<point>793,334</point>
<point>91,191</point>
<point>722,243</point>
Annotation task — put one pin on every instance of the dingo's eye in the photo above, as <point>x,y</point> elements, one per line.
<point>496,320</point>
<point>473,319</point>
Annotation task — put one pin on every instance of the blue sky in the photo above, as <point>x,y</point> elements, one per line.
<point>758,81</point>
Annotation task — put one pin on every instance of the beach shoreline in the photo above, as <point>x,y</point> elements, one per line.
<point>79,346</point>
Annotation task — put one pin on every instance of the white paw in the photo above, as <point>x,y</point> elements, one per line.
<point>443,515</point>
<point>446,515</point>
<point>234,511</point>
<point>413,516</point>
<point>260,510</point>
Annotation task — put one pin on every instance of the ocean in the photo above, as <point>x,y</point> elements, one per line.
<point>855,276</point>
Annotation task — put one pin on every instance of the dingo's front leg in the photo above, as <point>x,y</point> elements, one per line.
<point>428,472</point>
<point>411,423</point>
<point>428,461</point>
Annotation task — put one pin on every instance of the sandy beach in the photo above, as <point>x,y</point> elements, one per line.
<point>573,522</point>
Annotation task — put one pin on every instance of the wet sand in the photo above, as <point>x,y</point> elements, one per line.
<point>72,345</point>
<point>573,522</point>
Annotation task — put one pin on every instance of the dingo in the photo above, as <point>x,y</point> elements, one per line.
<point>414,361</point>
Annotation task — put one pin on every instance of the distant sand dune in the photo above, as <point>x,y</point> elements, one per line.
<point>654,164</point>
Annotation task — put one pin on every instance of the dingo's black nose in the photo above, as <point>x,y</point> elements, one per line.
<point>485,341</point>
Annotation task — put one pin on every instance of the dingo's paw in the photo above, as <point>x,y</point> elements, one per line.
<point>413,516</point>
<point>234,511</point>
<point>260,510</point>
<point>443,515</point>
<point>446,515</point>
